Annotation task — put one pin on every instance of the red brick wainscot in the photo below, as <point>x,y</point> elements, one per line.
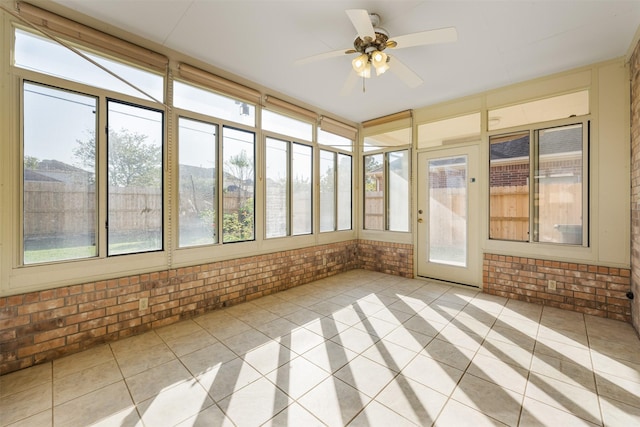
<point>40,326</point>
<point>585,288</point>
<point>385,257</point>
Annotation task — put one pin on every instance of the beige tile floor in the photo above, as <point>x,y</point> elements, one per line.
<point>361,349</point>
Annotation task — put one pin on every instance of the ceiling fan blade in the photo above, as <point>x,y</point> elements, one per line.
<point>349,83</point>
<point>362,23</point>
<point>321,56</point>
<point>405,74</point>
<point>442,35</point>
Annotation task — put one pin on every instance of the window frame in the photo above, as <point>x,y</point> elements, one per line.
<point>99,250</point>
<point>336,190</point>
<point>255,157</point>
<point>103,98</point>
<point>385,197</point>
<point>350,152</point>
<point>163,166</point>
<point>533,130</point>
<point>289,143</point>
<point>199,252</point>
<point>27,277</point>
<point>217,151</point>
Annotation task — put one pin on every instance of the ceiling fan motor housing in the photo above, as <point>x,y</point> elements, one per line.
<point>368,45</point>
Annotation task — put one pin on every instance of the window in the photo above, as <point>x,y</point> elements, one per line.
<point>559,185</point>
<point>288,184</point>
<point>335,191</point>
<point>88,191</point>
<point>509,186</point>
<point>537,188</point>
<point>285,125</point>
<point>392,139</point>
<point>327,190</point>
<point>197,178</point>
<point>386,191</point>
<point>238,185</point>
<point>542,110</point>
<point>59,175</point>
<point>61,166</point>
<point>302,189</point>
<point>456,130</point>
<point>374,184</point>
<point>334,141</point>
<point>277,179</point>
<point>39,54</point>
<point>134,174</point>
<point>215,177</point>
<point>288,188</point>
<point>345,176</point>
<point>398,190</point>
<point>203,101</point>
<point>335,180</point>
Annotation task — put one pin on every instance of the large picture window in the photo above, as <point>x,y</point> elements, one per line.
<point>61,197</point>
<point>537,188</point>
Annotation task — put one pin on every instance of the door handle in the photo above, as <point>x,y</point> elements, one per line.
<point>419,219</point>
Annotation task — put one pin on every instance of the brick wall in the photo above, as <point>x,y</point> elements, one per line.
<point>590,289</point>
<point>40,326</point>
<point>390,258</point>
<point>509,175</point>
<point>635,186</point>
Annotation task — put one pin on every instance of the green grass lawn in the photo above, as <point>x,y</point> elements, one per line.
<point>36,256</point>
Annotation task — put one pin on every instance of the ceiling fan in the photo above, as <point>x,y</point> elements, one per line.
<point>371,42</point>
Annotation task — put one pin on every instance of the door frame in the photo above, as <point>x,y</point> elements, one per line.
<point>472,273</point>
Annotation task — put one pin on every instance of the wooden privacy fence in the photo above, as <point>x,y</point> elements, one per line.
<point>374,210</point>
<point>52,208</point>
<point>56,208</point>
<point>509,212</point>
<point>559,213</point>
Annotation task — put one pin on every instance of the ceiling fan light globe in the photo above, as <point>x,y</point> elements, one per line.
<point>360,63</point>
<point>366,72</point>
<point>381,69</point>
<point>378,59</point>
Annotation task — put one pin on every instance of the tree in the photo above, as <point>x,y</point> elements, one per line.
<point>132,160</point>
<point>371,168</point>
<point>238,225</point>
<point>240,169</point>
<point>31,162</point>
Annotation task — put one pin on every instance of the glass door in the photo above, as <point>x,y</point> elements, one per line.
<point>448,215</point>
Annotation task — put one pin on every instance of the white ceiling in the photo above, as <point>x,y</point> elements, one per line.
<point>499,43</point>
